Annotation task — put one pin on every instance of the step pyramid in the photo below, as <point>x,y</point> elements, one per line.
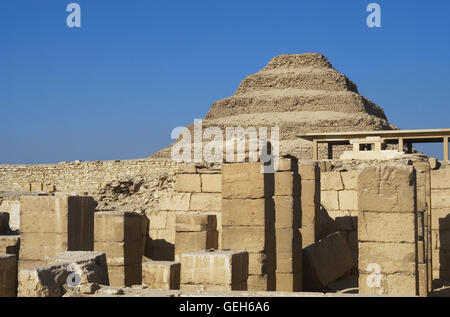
<point>299,93</point>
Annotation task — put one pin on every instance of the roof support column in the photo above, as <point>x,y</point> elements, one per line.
<point>446,148</point>
<point>400,144</point>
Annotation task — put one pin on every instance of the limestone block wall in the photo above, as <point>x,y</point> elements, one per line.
<point>197,191</point>
<point>339,202</point>
<point>440,223</point>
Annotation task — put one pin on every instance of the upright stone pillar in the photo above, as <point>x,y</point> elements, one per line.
<point>287,227</point>
<point>248,220</point>
<point>387,230</point>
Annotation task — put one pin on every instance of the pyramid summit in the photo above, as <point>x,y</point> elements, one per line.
<point>299,93</point>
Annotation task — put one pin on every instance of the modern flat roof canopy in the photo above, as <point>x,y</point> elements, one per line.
<point>386,136</point>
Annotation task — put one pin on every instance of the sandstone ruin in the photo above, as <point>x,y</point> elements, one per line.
<point>155,227</point>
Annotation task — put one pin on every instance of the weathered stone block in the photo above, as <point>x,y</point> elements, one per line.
<point>310,214</point>
<point>245,212</point>
<point>348,200</point>
<point>161,274</point>
<point>392,257</point>
<point>266,282</point>
<point>331,181</point>
<point>289,262</point>
<point>128,252</point>
<point>251,239</point>
<point>125,275</point>
<point>440,198</point>
<point>287,164</point>
<point>42,246</point>
<point>325,261</point>
<point>288,240</point>
<point>308,234</point>
<point>188,183</point>
<point>350,180</point>
<point>389,284</point>
<point>310,193</point>
<point>288,282</point>
<point>214,268</point>
<point>175,201</point>
<point>206,202</point>
<point>330,200</point>
<point>211,183</point>
<point>386,227</point>
<point>113,226</point>
<point>287,184</point>
<point>288,212</point>
<point>309,171</point>
<point>261,263</point>
<point>50,280</point>
<point>388,188</point>
<point>194,241</point>
<point>440,179</point>
<point>195,222</point>
<point>246,180</point>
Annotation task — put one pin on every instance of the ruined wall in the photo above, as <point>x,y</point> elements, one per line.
<point>440,222</point>
<point>116,185</point>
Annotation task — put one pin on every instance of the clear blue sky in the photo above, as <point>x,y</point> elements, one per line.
<point>116,87</point>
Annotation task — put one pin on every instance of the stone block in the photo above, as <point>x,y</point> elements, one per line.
<point>350,180</point>
<point>211,183</point>
<point>288,282</point>
<point>440,198</point>
<point>51,280</point>
<point>308,235</point>
<point>289,262</point>
<point>389,284</point>
<point>36,187</point>
<point>113,226</point>
<point>246,180</point>
<point>386,227</point>
<point>175,201</point>
<point>288,212</point>
<point>287,164</point>
<point>287,184</point>
<point>125,275</point>
<point>388,188</point>
<point>310,193</point>
<point>206,202</point>
<point>245,212</point>
<point>331,181</point>
<point>8,275</point>
<point>325,261</point>
<point>392,257</point>
<point>161,274</point>
<point>188,183</point>
<point>157,219</point>
<point>309,171</point>
<point>214,268</point>
<point>261,263</point>
<point>330,200</point>
<point>42,246</point>
<point>195,222</point>
<point>194,241</point>
<point>128,252</point>
<point>310,214</point>
<point>187,169</point>
<point>348,200</point>
<point>251,239</point>
<point>440,179</point>
<point>266,282</point>
<point>288,240</point>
